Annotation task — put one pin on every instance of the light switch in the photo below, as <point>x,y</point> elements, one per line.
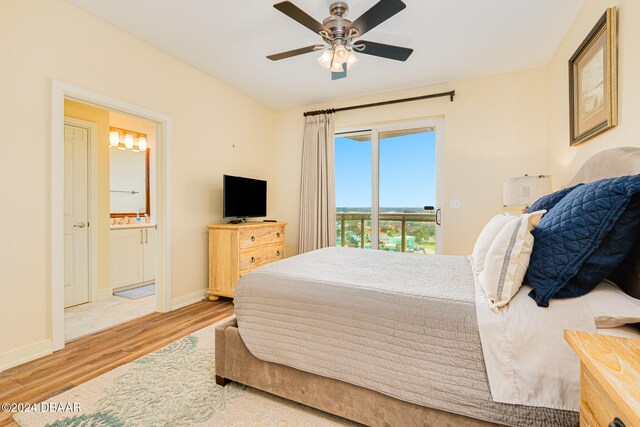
<point>454,203</point>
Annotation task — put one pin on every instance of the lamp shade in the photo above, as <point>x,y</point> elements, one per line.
<point>525,190</point>
<point>326,58</point>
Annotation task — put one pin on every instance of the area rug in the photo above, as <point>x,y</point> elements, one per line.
<point>173,386</point>
<point>137,293</point>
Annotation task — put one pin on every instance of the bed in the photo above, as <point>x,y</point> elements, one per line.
<point>381,338</point>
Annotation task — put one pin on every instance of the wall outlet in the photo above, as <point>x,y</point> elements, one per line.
<point>454,203</point>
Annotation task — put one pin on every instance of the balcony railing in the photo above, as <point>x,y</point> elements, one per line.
<point>401,232</point>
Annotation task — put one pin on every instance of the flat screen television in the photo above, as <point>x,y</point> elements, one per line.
<point>243,197</point>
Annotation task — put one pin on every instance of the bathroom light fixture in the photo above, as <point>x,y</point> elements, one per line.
<point>114,138</point>
<point>128,141</point>
<point>124,139</point>
<point>142,143</point>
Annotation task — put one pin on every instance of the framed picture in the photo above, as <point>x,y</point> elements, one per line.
<point>593,81</point>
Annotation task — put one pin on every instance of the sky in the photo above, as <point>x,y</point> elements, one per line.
<point>407,171</point>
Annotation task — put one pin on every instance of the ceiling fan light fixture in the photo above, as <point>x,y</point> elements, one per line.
<point>341,54</point>
<point>326,59</point>
<point>341,36</point>
<point>336,67</point>
<point>352,61</point>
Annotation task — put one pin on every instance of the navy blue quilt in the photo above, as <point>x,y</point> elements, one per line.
<point>588,227</point>
<point>550,200</point>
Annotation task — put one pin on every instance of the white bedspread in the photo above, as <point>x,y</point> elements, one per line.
<point>528,361</point>
<point>401,324</point>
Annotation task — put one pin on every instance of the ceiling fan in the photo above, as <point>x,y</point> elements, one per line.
<point>341,36</point>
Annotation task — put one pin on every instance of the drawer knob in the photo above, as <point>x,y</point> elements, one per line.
<point>278,253</point>
<point>253,238</point>
<point>617,422</point>
<point>278,235</point>
<point>253,259</point>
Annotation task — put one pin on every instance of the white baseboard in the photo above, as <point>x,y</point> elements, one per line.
<point>26,354</point>
<point>188,299</point>
<point>45,347</point>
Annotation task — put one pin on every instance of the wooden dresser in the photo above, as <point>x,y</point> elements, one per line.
<point>609,379</point>
<point>237,249</point>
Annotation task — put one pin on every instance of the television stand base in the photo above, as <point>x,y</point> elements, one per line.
<point>238,221</point>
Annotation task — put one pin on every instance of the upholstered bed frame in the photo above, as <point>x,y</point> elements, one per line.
<point>234,362</point>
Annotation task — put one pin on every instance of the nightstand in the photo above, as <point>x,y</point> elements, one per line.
<point>609,379</point>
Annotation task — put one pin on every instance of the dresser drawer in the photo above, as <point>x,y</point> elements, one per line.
<point>251,237</point>
<point>260,255</point>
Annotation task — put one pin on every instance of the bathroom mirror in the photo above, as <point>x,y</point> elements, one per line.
<point>129,182</point>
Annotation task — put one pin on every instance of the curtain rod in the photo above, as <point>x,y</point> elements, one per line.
<point>450,94</point>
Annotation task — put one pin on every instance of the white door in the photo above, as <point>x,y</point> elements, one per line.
<point>76,215</point>
<point>127,257</point>
<point>150,254</point>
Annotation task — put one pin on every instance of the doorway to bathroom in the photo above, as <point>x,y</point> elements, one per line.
<point>109,205</point>
<point>110,239</point>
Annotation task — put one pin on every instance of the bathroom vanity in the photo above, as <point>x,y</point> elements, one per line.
<point>133,255</point>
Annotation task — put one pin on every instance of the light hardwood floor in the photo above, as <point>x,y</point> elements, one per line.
<point>91,356</point>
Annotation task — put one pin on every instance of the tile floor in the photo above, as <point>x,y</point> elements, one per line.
<point>88,318</point>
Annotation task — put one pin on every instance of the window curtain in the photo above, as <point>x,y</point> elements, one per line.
<point>317,190</point>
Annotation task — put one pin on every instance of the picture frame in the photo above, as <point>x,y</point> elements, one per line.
<point>593,81</point>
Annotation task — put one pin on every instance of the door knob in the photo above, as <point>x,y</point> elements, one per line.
<point>80,225</point>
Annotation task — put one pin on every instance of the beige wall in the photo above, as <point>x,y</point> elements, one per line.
<point>216,130</point>
<point>496,128</point>
<point>101,119</point>
<point>499,126</point>
<point>564,160</point>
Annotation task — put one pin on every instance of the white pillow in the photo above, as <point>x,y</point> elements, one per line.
<point>486,238</point>
<point>626,331</point>
<point>611,307</point>
<point>507,259</point>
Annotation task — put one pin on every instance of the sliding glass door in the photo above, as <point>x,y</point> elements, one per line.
<point>387,180</point>
<point>353,189</point>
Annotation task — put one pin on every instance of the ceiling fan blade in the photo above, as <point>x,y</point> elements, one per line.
<point>295,52</point>
<point>383,50</point>
<point>375,16</point>
<point>339,75</point>
<point>299,15</point>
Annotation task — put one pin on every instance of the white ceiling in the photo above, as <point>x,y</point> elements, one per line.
<point>452,39</point>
